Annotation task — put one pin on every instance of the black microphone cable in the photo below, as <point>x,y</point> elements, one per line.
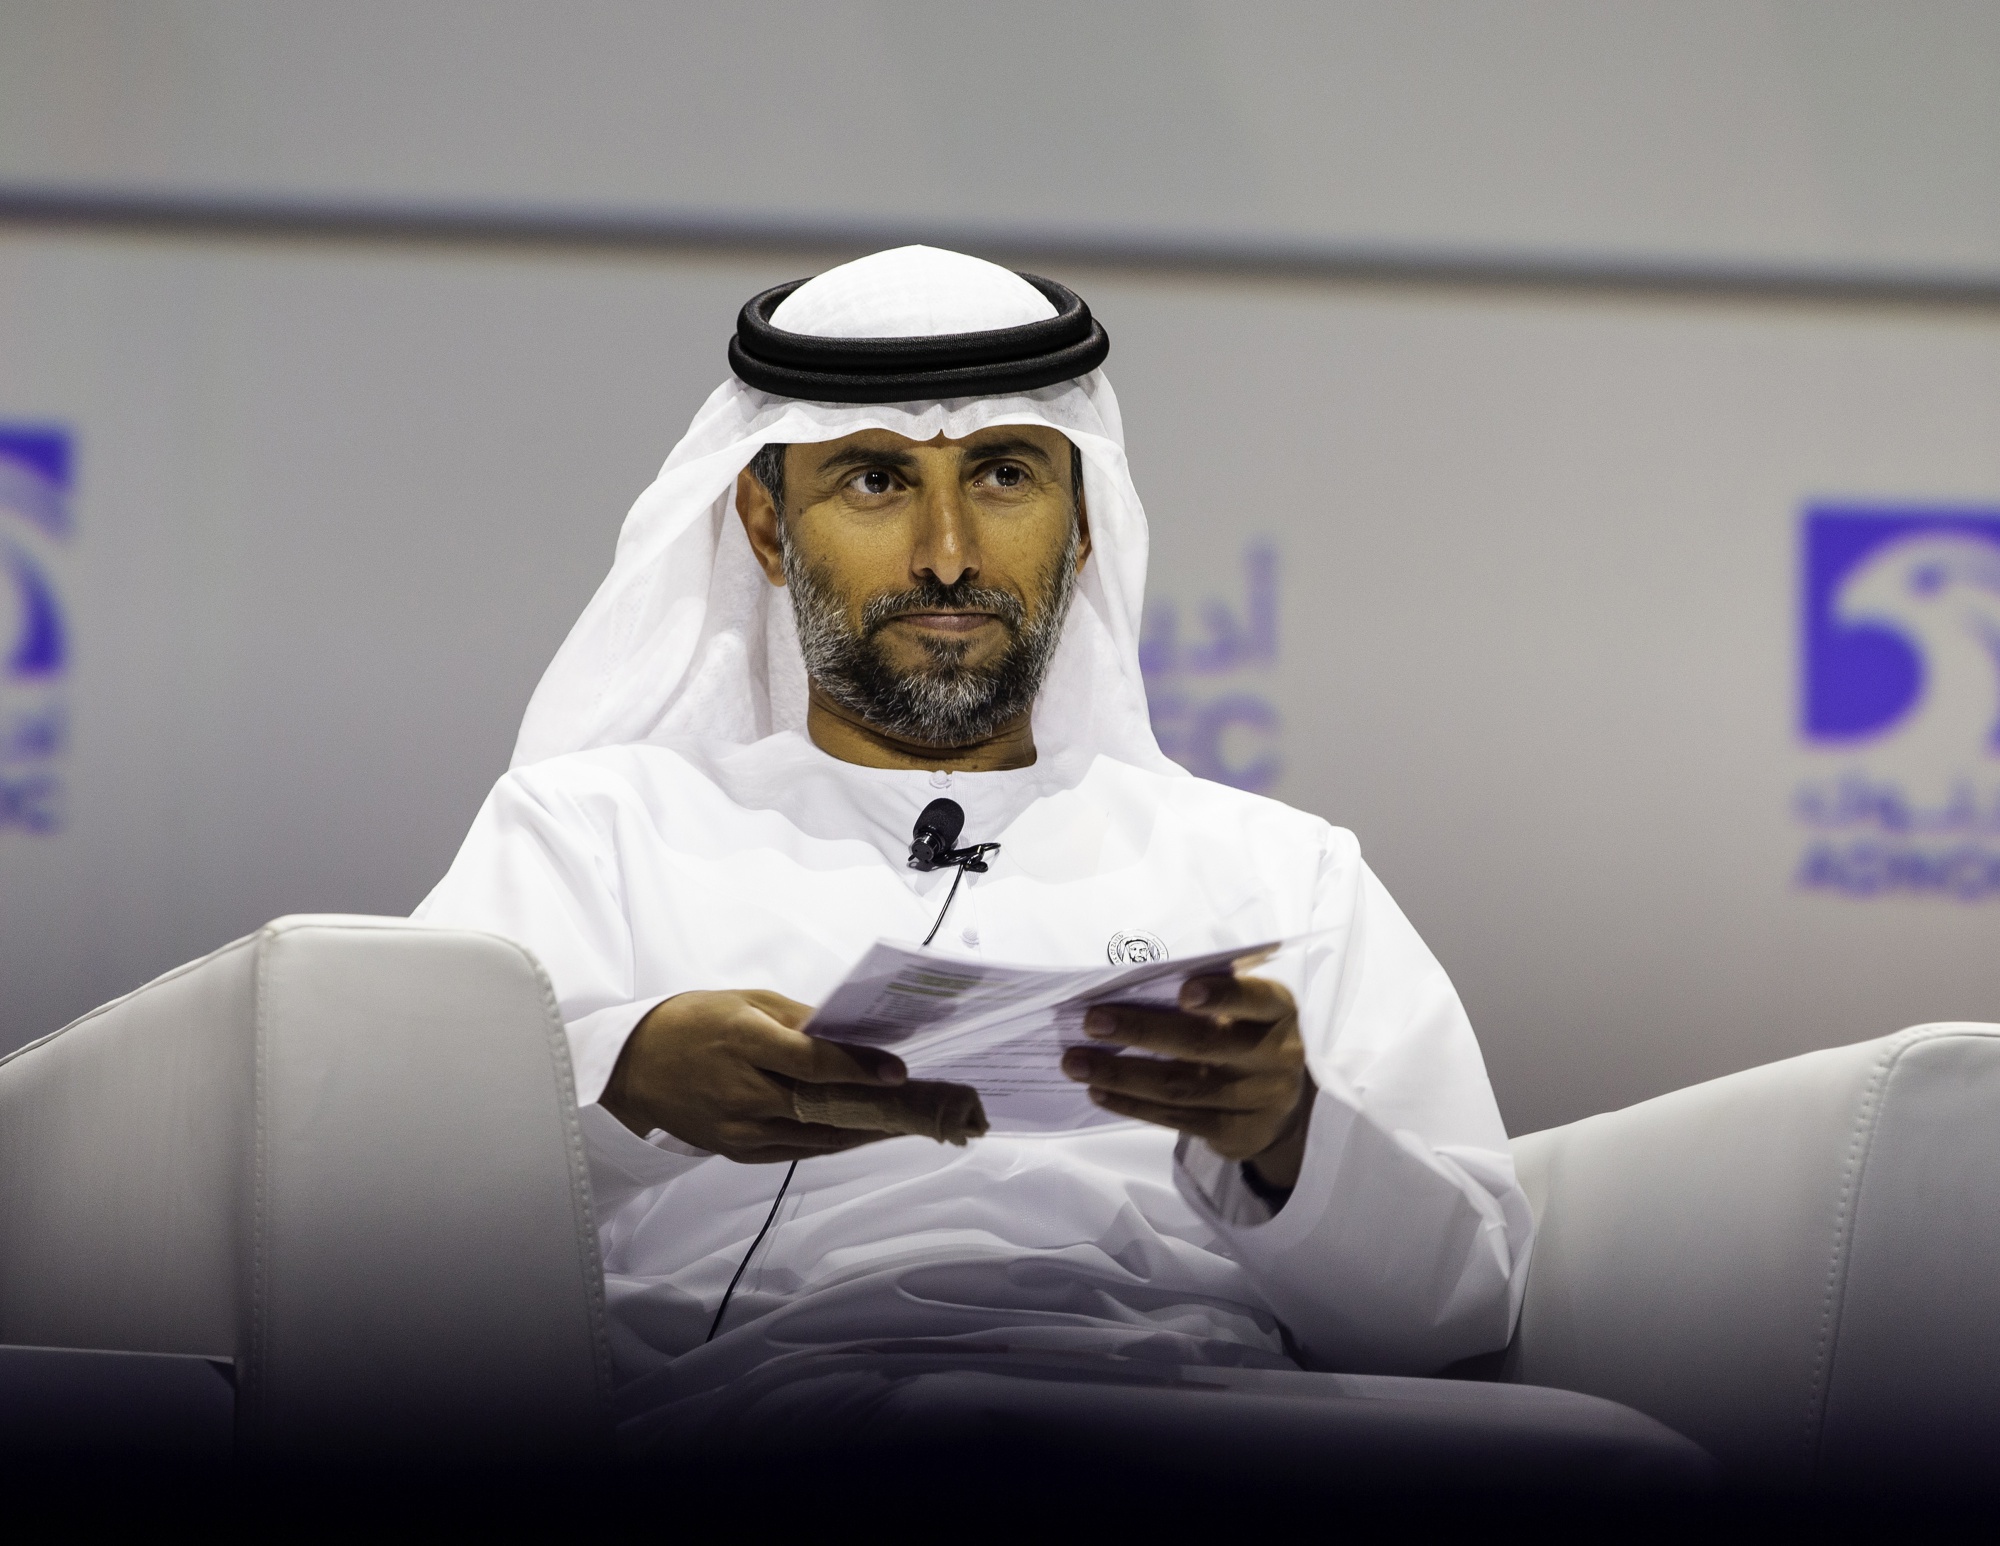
<point>937,829</point>
<point>743,1266</point>
<point>938,922</point>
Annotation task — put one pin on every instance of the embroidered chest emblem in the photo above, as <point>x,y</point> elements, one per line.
<point>1135,949</point>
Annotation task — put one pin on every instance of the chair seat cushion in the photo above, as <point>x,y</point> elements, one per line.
<point>1291,1428</point>
<point>73,1403</point>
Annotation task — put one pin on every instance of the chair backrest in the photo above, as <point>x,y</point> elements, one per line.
<point>342,1151</point>
<point>1797,1266</point>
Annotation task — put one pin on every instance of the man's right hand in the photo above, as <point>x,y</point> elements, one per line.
<point>716,1069</point>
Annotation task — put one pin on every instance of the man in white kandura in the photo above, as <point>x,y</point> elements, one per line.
<point>900,556</point>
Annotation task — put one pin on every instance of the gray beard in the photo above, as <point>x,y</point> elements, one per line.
<point>943,702</point>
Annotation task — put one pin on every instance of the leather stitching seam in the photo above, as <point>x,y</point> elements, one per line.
<point>1858,1143</point>
<point>580,1197</point>
<point>250,1372</point>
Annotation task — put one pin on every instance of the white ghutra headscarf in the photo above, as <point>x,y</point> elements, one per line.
<point>687,639</point>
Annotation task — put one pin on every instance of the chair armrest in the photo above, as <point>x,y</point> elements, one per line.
<point>1797,1266</point>
<point>124,1150</point>
<point>344,1151</point>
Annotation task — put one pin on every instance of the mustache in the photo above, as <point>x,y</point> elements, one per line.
<point>931,596</point>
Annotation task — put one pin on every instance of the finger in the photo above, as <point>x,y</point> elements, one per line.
<point>1172,1033</point>
<point>779,1049</point>
<point>1256,999</point>
<point>820,1137</point>
<point>772,1135</point>
<point>1233,1135</point>
<point>931,1108</point>
<point>1182,1119</point>
<point>1172,1082</point>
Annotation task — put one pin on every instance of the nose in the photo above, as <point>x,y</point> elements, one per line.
<point>945,544</point>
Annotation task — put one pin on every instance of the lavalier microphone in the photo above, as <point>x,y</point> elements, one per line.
<point>930,849</point>
<point>936,832</point>
<point>937,829</point>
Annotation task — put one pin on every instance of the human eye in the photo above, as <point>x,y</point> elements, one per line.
<point>1008,475</point>
<point>873,482</point>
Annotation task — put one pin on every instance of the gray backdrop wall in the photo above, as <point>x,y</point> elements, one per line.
<point>1637,627</point>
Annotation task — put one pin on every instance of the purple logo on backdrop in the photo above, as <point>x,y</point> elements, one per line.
<point>34,638</point>
<point>1900,689</point>
<point>1207,678</point>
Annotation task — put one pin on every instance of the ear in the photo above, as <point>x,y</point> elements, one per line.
<point>1082,532</point>
<point>760,518</point>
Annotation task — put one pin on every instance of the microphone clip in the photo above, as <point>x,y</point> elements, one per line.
<point>972,858</point>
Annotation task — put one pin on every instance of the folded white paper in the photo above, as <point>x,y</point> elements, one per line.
<point>1001,1029</point>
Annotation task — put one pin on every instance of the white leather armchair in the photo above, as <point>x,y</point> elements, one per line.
<point>1797,1266</point>
<point>343,1153</point>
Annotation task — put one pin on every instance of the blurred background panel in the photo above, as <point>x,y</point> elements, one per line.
<point>1831,132</point>
<point>1571,432</point>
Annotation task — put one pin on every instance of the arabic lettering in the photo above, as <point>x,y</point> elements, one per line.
<point>1208,689</point>
<point>1855,800</point>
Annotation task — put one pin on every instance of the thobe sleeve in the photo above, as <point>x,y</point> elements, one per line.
<point>1404,1246</point>
<point>540,867</point>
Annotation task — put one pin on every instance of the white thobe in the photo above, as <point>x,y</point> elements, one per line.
<point>638,872</point>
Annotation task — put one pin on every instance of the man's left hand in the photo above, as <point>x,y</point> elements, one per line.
<point>1227,1066</point>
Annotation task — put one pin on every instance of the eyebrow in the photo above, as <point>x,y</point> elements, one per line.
<point>1009,445</point>
<point>903,461</point>
<point>864,456</point>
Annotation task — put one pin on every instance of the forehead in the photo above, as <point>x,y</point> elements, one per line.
<point>1018,438</point>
